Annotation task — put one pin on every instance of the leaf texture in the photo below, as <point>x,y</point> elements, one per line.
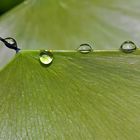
<point>91,96</point>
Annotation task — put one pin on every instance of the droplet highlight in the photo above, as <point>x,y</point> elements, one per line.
<point>10,40</point>
<point>46,57</point>
<point>128,47</point>
<point>10,43</point>
<point>85,48</point>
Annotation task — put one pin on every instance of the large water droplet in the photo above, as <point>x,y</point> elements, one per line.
<point>85,48</point>
<point>46,57</point>
<point>128,46</point>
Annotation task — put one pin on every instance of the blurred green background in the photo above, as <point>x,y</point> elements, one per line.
<point>6,5</point>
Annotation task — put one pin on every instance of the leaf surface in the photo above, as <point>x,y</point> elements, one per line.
<point>79,96</point>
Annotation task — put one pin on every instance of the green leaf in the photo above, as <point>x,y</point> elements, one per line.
<point>65,24</point>
<point>79,96</point>
<point>6,5</point>
<point>91,96</point>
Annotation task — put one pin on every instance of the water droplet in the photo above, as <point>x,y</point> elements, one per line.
<point>128,46</point>
<point>46,57</point>
<point>10,40</point>
<point>85,48</point>
<point>10,43</point>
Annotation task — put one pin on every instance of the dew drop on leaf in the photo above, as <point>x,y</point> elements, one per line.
<point>128,46</point>
<point>85,48</point>
<point>10,40</point>
<point>46,57</point>
<point>10,43</point>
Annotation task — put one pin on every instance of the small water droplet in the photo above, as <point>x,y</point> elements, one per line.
<point>10,43</point>
<point>85,48</point>
<point>128,46</point>
<point>10,40</point>
<point>46,57</point>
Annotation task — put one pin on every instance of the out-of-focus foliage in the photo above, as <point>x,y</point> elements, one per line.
<point>6,5</point>
<point>65,24</point>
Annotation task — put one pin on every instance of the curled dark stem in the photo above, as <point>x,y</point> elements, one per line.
<point>10,46</point>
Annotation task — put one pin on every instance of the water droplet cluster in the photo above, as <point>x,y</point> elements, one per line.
<point>46,57</point>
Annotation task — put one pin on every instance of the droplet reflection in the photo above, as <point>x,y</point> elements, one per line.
<point>85,48</point>
<point>128,46</point>
<point>46,57</point>
<point>10,40</point>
